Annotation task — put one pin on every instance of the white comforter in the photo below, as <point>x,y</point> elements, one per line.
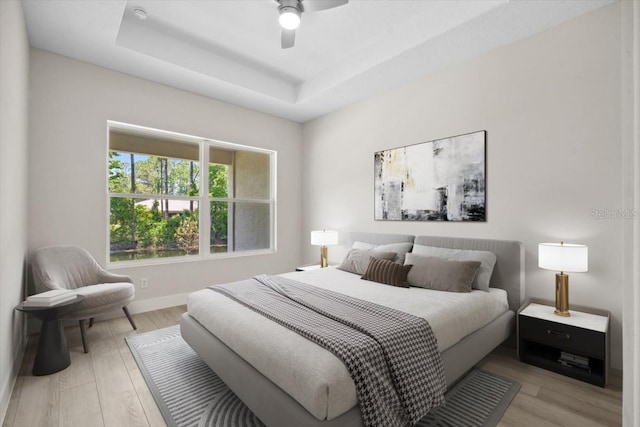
<point>313,376</point>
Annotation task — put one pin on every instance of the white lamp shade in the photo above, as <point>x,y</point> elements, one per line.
<point>563,257</point>
<point>324,237</point>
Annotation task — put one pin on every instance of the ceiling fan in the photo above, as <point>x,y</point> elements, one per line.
<point>291,13</point>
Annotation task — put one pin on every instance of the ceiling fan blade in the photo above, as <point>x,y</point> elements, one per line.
<point>315,5</point>
<point>288,38</point>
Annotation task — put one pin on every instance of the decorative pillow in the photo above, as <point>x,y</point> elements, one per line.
<point>487,261</point>
<point>357,260</point>
<point>387,272</point>
<point>400,249</point>
<point>441,274</point>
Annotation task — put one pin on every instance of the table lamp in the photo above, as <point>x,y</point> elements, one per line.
<point>563,257</point>
<point>324,238</point>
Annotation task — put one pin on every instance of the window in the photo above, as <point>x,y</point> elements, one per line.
<point>156,191</point>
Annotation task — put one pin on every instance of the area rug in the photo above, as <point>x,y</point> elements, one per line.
<point>188,393</point>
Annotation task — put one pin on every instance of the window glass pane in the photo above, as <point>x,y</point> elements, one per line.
<point>252,175</point>
<point>156,188</point>
<point>219,227</point>
<point>152,228</point>
<point>145,174</point>
<point>218,180</point>
<point>240,226</point>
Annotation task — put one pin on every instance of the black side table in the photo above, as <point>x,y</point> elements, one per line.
<point>52,355</point>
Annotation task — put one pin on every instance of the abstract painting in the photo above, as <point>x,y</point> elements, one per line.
<point>440,180</point>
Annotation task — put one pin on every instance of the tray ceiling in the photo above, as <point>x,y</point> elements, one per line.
<point>230,49</point>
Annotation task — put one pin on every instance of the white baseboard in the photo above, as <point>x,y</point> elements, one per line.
<point>7,388</point>
<point>5,396</point>
<point>150,304</point>
<point>135,307</point>
<point>158,303</point>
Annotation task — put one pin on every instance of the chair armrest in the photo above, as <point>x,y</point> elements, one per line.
<point>108,277</point>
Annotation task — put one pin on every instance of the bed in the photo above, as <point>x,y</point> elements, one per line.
<point>286,381</point>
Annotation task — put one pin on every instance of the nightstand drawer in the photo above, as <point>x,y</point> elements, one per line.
<point>570,338</point>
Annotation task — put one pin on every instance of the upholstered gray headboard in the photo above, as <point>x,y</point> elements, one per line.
<point>508,274</point>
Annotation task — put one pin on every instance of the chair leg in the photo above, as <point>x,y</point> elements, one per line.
<point>91,321</point>
<point>126,312</point>
<point>83,334</point>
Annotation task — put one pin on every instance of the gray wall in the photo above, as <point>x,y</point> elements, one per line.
<point>551,106</point>
<point>71,102</point>
<point>14,71</point>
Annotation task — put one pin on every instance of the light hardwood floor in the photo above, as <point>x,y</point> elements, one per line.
<point>105,387</point>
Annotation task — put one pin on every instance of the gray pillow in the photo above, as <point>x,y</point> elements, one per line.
<point>440,273</point>
<point>357,260</point>
<point>487,261</point>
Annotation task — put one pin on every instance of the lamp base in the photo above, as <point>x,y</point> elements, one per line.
<point>324,258</point>
<point>562,295</point>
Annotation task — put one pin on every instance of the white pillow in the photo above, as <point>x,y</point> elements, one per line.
<point>362,245</point>
<point>399,248</point>
<point>487,261</point>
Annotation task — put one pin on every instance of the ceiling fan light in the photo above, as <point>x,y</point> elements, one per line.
<point>289,17</point>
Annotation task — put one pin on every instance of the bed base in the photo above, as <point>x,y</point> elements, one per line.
<point>276,408</point>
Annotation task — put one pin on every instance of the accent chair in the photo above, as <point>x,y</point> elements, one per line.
<point>73,268</point>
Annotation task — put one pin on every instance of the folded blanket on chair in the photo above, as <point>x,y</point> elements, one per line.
<point>392,356</point>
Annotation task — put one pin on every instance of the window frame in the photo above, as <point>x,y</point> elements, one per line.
<point>203,199</point>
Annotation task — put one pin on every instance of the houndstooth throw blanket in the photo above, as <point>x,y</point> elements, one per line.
<point>392,356</point>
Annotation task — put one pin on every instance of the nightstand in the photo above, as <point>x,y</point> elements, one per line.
<point>575,346</point>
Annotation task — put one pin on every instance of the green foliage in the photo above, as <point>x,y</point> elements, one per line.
<point>187,236</point>
<point>218,180</point>
<point>147,230</point>
<point>118,177</point>
<point>120,220</point>
<point>219,187</point>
